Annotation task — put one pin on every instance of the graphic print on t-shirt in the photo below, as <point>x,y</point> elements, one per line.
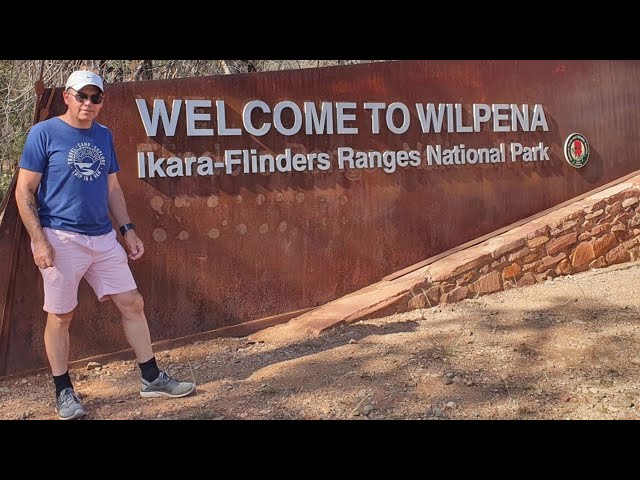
<point>87,161</point>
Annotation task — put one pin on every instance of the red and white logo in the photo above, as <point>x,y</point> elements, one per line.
<point>576,150</point>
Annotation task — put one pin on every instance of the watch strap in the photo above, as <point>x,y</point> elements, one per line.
<point>126,227</point>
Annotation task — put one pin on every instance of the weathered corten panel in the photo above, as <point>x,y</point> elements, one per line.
<point>225,249</point>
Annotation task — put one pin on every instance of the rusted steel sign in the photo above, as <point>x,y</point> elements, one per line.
<point>260,194</point>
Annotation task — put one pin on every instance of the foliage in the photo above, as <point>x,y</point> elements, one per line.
<point>5,180</point>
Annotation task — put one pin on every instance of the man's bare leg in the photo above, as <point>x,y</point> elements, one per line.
<point>134,322</point>
<point>56,341</point>
<point>155,383</point>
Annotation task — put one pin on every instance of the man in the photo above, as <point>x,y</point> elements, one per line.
<point>69,164</point>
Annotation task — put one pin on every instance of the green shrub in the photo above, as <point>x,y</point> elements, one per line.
<point>5,180</point>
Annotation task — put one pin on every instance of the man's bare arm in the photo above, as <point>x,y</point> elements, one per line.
<point>118,209</point>
<point>26,189</point>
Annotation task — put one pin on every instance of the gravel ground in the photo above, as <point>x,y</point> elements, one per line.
<point>565,349</point>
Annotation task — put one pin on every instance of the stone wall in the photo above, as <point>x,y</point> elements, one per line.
<point>600,230</point>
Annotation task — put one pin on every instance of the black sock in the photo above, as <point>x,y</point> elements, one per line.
<point>149,370</point>
<point>62,381</point>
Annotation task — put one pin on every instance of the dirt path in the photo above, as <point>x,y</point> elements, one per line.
<point>565,349</point>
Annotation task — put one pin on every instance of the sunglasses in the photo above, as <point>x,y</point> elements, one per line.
<point>96,98</point>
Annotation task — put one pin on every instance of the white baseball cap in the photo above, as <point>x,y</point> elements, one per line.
<point>81,78</point>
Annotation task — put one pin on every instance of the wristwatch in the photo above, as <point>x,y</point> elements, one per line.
<point>127,226</point>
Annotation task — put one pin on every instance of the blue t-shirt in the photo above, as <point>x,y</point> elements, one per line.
<point>75,164</point>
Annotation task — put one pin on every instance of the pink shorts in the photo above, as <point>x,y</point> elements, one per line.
<point>101,260</point>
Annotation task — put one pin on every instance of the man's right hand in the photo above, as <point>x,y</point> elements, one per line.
<point>43,254</point>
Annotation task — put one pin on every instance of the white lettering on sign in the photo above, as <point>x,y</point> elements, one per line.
<point>257,118</point>
<point>288,118</point>
<point>250,161</point>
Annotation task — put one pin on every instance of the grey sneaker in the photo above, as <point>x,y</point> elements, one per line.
<point>68,405</point>
<point>165,386</point>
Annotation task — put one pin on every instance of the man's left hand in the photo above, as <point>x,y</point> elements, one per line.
<point>134,244</point>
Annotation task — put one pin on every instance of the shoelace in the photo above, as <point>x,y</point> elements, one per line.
<point>69,397</point>
<point>165,377</point>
